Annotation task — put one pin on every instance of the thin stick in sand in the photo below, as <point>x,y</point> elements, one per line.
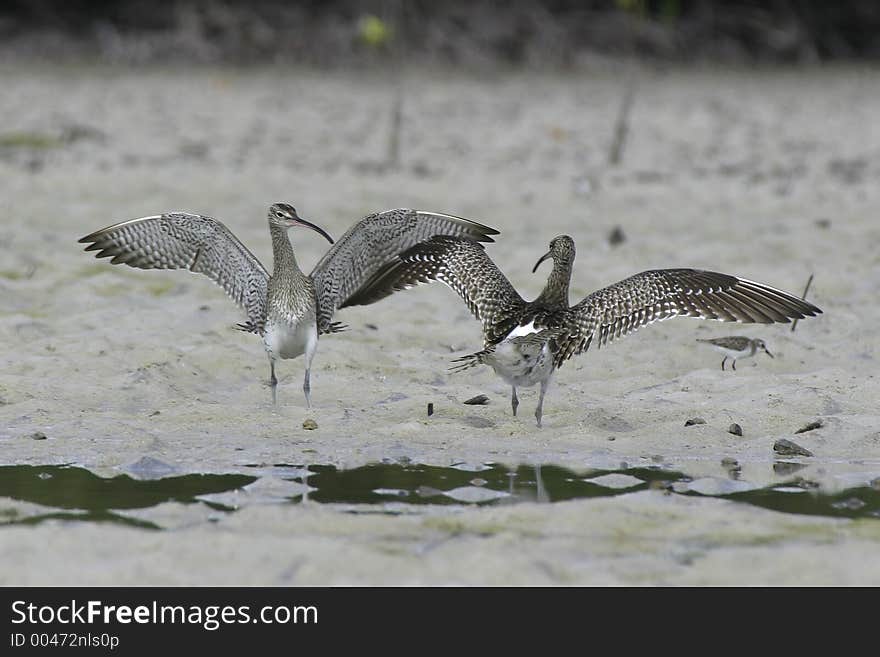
<point>804,298</point>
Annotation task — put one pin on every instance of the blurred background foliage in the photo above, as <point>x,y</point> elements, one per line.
<point>538,33</point>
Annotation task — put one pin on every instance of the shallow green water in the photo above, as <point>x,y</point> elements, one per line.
<point>78,494</point>
<point>74,493</point>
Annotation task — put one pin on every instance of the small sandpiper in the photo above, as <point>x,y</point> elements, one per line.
<point>737,346</point>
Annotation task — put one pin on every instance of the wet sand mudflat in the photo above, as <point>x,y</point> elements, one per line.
<point>768,175</point>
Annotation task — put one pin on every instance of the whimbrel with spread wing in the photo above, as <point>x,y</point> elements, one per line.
<point>288,309</point>
<point>526,342</point>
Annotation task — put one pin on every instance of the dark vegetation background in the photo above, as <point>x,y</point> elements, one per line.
<point>557,33</point>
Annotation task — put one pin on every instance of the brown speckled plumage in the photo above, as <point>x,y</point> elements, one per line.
<point>600,318</point>
<point>555,292</point>
<point>180,240</point>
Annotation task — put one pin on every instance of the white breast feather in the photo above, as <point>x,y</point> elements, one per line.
<point>528,329</point>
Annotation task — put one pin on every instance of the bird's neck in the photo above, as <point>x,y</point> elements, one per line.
<point>555,292</point>
<point>282,253</point>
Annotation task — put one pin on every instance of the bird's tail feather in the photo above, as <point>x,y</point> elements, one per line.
<point>249,327</point>
<point>471,360</point>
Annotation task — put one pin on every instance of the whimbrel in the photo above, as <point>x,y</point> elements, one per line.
<point>526,342</point>
<point>736,347</point>
<point>287,309</point>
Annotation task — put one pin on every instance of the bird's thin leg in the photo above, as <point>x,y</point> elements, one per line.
<point>273,382</point>
<point>723,360</point>
<point>311,348</point>
<point>539,412</point>
<point>734,365</point>
<point>307,388</point>
<point>514,402</point>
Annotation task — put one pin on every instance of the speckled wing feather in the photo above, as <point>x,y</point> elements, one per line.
<point>465,267</point>
<point>369,249</point>
<point>651,296</point>
<point>179,240</point>
<point>733,342</point>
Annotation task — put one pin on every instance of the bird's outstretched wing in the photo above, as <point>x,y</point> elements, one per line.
<point>179,240</point>
<point>655,295</point>
<point>345,276</point>
<point>465,267</point>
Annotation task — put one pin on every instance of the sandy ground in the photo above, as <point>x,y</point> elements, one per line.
<point>767,175</point>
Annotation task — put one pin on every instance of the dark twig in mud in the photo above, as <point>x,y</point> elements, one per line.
<point>621,127</point>
<point>804,297</point>
<point>395,127</point>
<point>394,13</point>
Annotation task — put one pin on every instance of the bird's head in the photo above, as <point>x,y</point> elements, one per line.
<point>760,344</point>
<point>763,347</point>
<point>561,250</point>
<point>284,215</point>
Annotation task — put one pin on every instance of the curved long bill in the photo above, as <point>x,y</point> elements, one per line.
<point>766,351</point>
<point>299,221</point>
<point>543,258</point>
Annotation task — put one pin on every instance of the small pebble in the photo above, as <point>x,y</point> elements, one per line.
<point>372,327</point>
<point>789,448</point>
<point>823,223</point>
<point>154,413</point>
<point>616,236</point>
<point>477,481</point>
<point>430,409</point>
<point>38,435</point>
<point>812,425</point>
<point>735,429</point>
<point>479,400</point>
<point>729,462</point>
<point>694,420</point>
<point>309,424</point>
